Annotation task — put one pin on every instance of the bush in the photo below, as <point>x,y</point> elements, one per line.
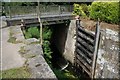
<point>78,10</point>
<point>47,33</point>
<point>85,9</point>
<point>32,32</point>
<point>105,11</point>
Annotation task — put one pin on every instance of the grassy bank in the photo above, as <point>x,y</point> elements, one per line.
<point>22,72</point>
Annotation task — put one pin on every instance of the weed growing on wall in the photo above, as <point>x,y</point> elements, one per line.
<point>46,43</point>
<point>47,33</point>
<point>32,32</point>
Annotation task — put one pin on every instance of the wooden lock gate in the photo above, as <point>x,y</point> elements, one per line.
<point>86,48</point>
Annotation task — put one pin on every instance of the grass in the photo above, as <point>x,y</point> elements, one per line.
<point>64,75</point>
<point>22,72</point>
<point>12,39</point>
<point>23,50</point>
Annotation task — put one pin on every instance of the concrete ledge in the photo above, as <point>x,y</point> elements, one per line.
<point>36,62</point>
<point>33,53</point>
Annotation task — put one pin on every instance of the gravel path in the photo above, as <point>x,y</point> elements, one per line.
<point>10,56</point>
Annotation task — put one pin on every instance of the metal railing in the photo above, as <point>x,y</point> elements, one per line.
<point>32,10</point>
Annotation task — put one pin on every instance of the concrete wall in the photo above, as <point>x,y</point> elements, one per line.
<point>63,39</point>
<point>108,55</point>
<point>70,42</point>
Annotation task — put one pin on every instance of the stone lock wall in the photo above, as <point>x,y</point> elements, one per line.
<point>107,65</point>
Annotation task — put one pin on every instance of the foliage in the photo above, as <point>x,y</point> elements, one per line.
<point>46,43</point>
<point>64,75</point>
<point>22,72</point>
<point>105,11</point>
<point>47,33</point>
<point>32,32</point>
<point>85,9</point>
<point>79,10</point>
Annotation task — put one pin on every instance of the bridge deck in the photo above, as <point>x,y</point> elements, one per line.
<point>15,20</point>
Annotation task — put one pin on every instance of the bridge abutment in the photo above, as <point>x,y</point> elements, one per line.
<point>64,40</point>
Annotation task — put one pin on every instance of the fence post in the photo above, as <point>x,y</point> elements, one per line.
<point>23,27</point>
<point>38,12</point>
<point>59,8</point>
<point>97,36</point>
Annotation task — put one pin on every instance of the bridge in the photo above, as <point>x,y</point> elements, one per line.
<point>45,19</point>
<point>86,43</point>
<point>50,14</point>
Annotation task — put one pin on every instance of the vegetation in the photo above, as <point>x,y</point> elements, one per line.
<point>23,50</point>
<point>61,75</point>
<point>64,75</point>
<point>78,10</point>
<point>32,32</point>
<point>22,72</point>
<point>12,38</point>
<point>105,11</point>
<point>47,33</point>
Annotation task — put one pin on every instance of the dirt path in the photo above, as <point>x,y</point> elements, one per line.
<point>10,56</point>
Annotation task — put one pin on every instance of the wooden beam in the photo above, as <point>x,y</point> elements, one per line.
<point>85,44</point>
<point>86,38</point>
<point>84,68</point>
<point>80,53</point>
<point>89,54</point>
<point>96,48</point>
<point>89,34</point>
<point>39,20</point>
<point>84,63</point>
